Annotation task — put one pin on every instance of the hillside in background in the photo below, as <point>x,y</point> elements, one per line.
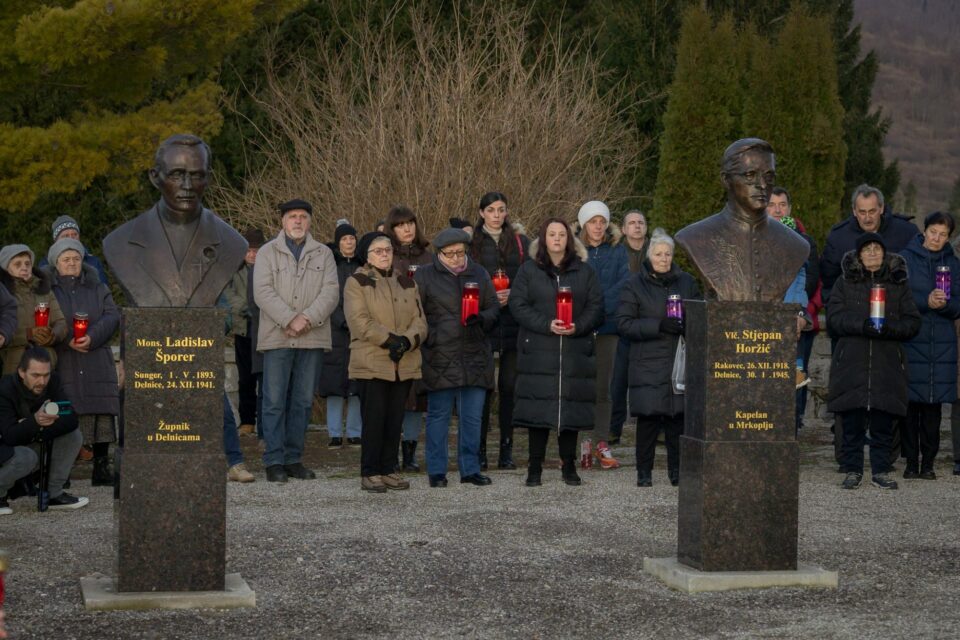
<point>918,85</point>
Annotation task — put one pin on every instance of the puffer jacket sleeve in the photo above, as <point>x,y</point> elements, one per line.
<point>489,307</point>
<point>906,323</point>
<point>521,305</point>
<point>103,329</point>
<point>591,314</point>
<point>842,319</point>
<point>630,324</point>
<point>8,314</point>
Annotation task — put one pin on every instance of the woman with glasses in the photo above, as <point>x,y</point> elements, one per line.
<point>556,364</point>
<point>868,378</point>
<point>499,245</point>
<point>409,253</point>
<point>387,327</point>
<point>460,305</point>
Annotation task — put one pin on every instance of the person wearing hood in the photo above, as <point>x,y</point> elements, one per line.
<point>932,353</point>
<point>642,319</point>
<point>556,361</point>
<point>30,286</point>
<point>333,383</point>
<point>387,328</point>
<point>85,362</point>
<point>869,215</point>
<point>612,264</point>
<point>868,379</point>
<point>457,359</point>
<point>499,244</point>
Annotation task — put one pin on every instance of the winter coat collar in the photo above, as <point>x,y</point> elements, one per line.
<point>894,269</point>
<point>916,247</point>
<point>88,276</point>
<point>580,248</point>
<point>664,279</point>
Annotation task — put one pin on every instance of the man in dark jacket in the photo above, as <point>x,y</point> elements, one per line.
<point>869,215</point>
<point>8,316</point>
<point>28,402</point>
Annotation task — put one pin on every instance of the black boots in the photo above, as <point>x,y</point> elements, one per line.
<point>569,473</point>
<point>534,473</point>
<point>102,476</point>
<point>409,450</point>
<point>505,459</point>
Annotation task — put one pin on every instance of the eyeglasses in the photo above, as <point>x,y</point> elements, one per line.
<point>382,251</point>
<point>453,254</point>
<point>753,177</point>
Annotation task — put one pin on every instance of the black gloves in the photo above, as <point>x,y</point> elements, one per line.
<point>870,331</point>
<point>474,328</point>
<point>397,345</point>
<point>673,326</point>
<point>473,320</point>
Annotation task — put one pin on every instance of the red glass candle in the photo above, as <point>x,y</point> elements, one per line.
<point>500,280</point>
<point>41,314</point>
<point>80,323</point>
<point>565,306</point>
<point>470,302</point>
<point>412,269</point>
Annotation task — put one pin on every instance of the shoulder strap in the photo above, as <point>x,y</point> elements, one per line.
<point>519,245</point>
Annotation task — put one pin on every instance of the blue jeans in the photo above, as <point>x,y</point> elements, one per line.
<point>335,411</point>
<point>411,425</point>
<point>289,377</point>
<point>439,411</point>
<point>231,440</point>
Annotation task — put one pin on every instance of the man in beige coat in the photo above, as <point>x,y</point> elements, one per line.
<point>295,285</point>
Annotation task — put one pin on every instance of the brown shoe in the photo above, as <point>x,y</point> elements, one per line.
<point>247,430</point>
<point>395,481</point>
<point>239,473</point>
<point>373,483</point>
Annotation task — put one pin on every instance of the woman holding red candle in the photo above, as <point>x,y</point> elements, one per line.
<point>653,324</point>
<point>409,253</point>
<point>40,321</point>
<point>556,363</point>
<point>500,247</point>
<point>85,361</point>
<point>460,305</point>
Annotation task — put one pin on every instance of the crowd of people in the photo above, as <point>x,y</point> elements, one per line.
<point>567,331</point>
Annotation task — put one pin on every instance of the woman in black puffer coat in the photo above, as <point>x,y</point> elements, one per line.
<point>868,375</point>
<point>641,318</point>
<point>556,364</point>
<point>333,383</point>
<point>457,360</point>
<point>499,243</point>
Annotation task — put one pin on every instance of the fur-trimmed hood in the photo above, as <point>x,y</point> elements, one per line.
<point>580,248</point>
<point>613,235</point>
<point>894,268</point>
<point>40,284</point>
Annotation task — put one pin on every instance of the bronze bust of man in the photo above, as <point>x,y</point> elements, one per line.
<point>741,253</point>
<point>176,253</point>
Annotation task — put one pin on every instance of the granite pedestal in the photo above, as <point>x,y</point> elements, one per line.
<point>170,518</point>
<point>739,459</point>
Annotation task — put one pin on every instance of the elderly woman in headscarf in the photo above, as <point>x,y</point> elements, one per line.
<point>31,288</point>
<point>85,362</point>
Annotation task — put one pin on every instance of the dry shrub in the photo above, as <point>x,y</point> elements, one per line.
<point>366,118</point>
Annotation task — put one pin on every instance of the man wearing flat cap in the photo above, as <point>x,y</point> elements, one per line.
<point>177,253</point>
<point>296,287</point>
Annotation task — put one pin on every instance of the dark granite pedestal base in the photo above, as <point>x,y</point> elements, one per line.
<point>740,505</point>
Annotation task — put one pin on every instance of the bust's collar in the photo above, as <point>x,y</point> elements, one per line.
<point>746,220</point>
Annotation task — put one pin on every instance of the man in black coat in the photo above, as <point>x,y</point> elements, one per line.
<point>8,317</point>
<point>25,418</point>
<point>869,215</point>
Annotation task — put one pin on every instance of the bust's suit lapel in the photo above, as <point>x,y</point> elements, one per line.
<point>148,232</point>
<point>203,253</point>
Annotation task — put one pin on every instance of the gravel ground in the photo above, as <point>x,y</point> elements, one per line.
<point>505,561</point>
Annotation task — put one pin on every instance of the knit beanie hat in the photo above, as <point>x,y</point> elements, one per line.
<point>364,248</point>
<point>64,244</point>
<point>591,210</point>
<point>866,238</point>
<point>11,251</point>
<point>63,223</point>
<point>345,229</point>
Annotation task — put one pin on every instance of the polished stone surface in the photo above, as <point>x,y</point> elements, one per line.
<point>170,518</point>
<point>689,580</point>
<point>738,505</point>
<point>100,594</point>
<point>741,364</point>
<point>739,459</point>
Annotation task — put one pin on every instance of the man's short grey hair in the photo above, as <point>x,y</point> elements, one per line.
<point>866,191</point>
<point>660,236</point>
